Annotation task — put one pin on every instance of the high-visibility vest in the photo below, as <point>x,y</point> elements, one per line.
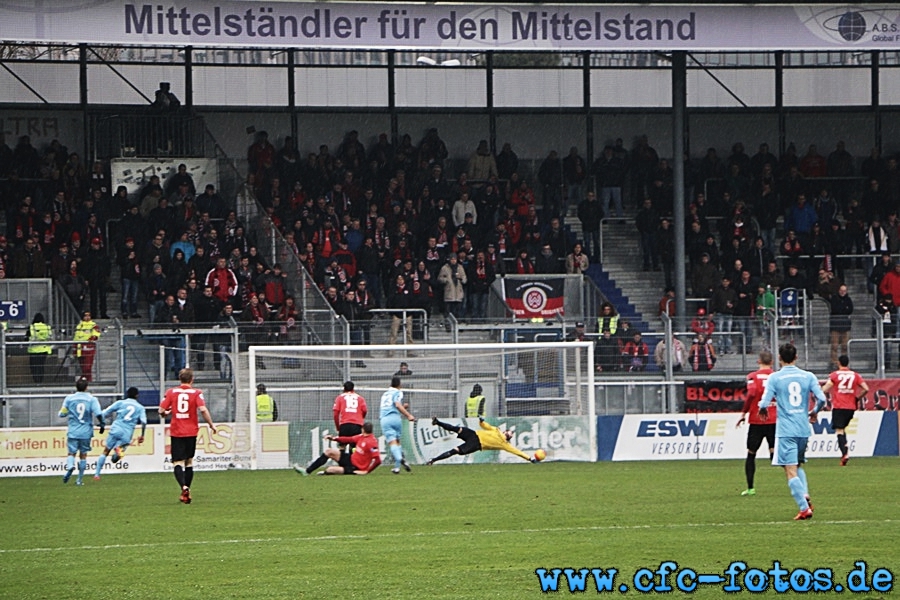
<point>265,408</point>
<point>612,323</point>
<point>85,331</point>
<point>40,332</point>
<point>475,406</point>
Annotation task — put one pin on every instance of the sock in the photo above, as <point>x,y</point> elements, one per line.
<point>70,463</point>
<point>445,455</point>
<point>188,476</point>
<point>397,453</point>
<point>179,475</point>
<point>802,475</point>
<point>448,427</point>
<point>798,492</point>
<point>317,463</point>
<point>100,462</point>
<point>82,464</point>
<point>842,442</point>
<point>750,469</point>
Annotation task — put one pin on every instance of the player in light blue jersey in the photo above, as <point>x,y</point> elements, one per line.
<point>80,409</point>
<point>392,408</point>
<point>790,387</point>
<point>129,412</point>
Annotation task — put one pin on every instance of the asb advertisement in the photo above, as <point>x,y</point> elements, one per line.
<point>562,438</point>
<point>42,451</point>
<point>712,436</point>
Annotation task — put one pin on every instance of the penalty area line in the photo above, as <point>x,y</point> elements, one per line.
<point>350,537</point>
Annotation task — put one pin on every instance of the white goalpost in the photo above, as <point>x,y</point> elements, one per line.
<point>519,381</point>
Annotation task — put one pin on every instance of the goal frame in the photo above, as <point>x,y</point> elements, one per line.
<point>578,347</point>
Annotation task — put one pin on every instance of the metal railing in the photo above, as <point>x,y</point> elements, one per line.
<point>272,246</point>
<point>60,368</point>
<point>41,410</point>
<point>633,397</point>
<point>37,294</point>
<point>64,314</point>
<point>148,135</point>
<point>408,317</point>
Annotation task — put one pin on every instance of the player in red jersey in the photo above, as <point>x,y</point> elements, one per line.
<point>845,386</point>
<point>182,403</point>
<point>349,412</point>
<point>360,460</point>
<point>760,428</point>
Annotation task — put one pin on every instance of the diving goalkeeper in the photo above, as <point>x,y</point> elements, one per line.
<point>487,438</point>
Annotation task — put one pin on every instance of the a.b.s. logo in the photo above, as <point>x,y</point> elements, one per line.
<point>851,25</point>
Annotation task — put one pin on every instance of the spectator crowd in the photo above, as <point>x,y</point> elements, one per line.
<point>403,225</point>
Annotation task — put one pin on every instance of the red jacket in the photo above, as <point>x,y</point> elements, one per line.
<point>890,284</point>
<point>223,282</point>
<point>704,326</point>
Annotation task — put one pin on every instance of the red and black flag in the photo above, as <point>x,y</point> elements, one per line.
<point>530,298</point>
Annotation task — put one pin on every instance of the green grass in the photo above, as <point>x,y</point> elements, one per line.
<point>472,531</point>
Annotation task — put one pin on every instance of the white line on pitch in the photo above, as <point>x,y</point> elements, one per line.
<point>321,538</point>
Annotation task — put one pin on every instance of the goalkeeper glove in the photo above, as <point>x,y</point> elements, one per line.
<point>102,428</point>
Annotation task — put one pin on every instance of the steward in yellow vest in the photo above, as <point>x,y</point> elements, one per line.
<point>266,410</point>
<point>475,403</point>
<point>610,322</point>
<point>86,332</point>
<point>39,331</point>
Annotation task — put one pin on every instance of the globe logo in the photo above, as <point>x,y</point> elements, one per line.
<point>852,26</point>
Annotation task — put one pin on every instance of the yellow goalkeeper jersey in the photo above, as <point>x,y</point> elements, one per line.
<point>493,439</point>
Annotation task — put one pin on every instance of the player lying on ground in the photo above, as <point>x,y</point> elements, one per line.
<point>362,458</point>
<point>487,438</point>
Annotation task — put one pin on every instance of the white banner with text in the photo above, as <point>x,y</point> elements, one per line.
<point>716,435</point>
<point>42,451</point>
<point>372,25</point>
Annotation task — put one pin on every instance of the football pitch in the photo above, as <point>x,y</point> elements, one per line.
<point>448,531</point>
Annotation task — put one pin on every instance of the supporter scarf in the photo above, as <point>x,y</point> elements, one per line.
<point>707,357</point>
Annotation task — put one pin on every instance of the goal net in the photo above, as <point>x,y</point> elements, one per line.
<point>527,380</point>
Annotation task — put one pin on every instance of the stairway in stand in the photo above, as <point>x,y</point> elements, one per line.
<point>622,266</point>
<point>624,306</point>
<point>633,292</point>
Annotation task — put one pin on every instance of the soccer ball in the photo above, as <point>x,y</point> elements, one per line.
<point>539,454</point>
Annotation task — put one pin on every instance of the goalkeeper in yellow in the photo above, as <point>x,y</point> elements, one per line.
<point>487,438</point>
